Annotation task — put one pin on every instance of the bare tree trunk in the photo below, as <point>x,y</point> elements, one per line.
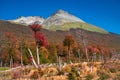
<point>79,54</point>
<point>81,35</point>
<point>94,57</point>
<point>91,69</point>
<point>37,52</point>
<point>1,64</point>
<point>84,44</point>
<point>102,57</point>
<point>11,62</point>
<point>21,57</point>
<point>60,63</point>
<point>33,60</point>
<point>69,55</point>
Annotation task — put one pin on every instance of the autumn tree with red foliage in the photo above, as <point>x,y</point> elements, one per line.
<point>93,50</point>
<point>11,38</point>
<point>40,39</point>
<point>105,53</point>
<point>59,48</point>
<point>68,41</point>
<point>10,48</point>
<point>35,28</point>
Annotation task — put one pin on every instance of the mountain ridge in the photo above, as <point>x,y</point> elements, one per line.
<point>60,20</point>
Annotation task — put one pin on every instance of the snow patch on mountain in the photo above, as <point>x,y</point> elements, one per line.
<point>29,20</point>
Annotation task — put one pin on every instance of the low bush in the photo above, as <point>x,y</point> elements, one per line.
<point>118,77</point>
<point>74,74</point>
<point>16,75</point>
<point>67,69</point>
<point>103,76</point>
<point>60,72</point>
<point>40,71</point>
<point>112,70</point>
<point>26,71</point>
<point>35,75</point>
<point>89,77</point>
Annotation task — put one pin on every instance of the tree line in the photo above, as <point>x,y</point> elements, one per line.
<point>14,51</point>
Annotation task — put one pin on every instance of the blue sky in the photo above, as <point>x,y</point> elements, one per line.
<point>102,13</point>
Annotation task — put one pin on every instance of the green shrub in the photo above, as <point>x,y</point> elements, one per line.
<point>74,75</point>
<point>71,76</point>
<point>4,68</point>
<point>112,70</point>
<point>60,72</point>
<point>89,77</point>
<point>103,76</point>
<point>43,59</point>
<point>2,75</point>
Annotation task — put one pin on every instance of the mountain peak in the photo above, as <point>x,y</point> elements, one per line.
<point>61,11</point>
<point>65,15</point>
<point>60,17</point>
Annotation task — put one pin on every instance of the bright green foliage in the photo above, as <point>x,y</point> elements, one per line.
<point>74,25</point>
<point>4,68</point>
<point>25,55</point>
<point>43,59</point>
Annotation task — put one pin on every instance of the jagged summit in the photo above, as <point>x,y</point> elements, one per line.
<point>60,17</point>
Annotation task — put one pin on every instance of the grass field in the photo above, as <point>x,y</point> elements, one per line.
<point>4,68</point>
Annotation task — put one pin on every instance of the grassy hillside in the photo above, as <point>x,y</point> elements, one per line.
<point>75,25</point>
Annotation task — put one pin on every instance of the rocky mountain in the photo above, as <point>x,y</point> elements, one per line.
<point>60,17</point>
<point>28,20</point>
<point>60,20</point>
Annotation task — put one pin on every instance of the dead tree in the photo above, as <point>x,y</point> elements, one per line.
<point>33,60</point>
<point>81,36</point>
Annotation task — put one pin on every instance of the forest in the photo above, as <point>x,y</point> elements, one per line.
<point>16,52</point>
